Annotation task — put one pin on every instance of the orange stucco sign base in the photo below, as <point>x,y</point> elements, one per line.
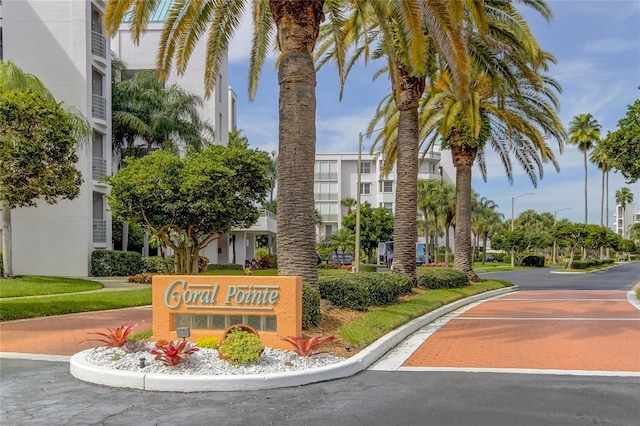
<point>209,304</point>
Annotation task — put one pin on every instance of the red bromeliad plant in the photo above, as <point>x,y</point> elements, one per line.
<point>308,347</point>
<point>173,352</point>
<point>114,337</point>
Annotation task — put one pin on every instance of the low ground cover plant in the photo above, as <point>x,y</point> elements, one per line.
<point>210,342</point>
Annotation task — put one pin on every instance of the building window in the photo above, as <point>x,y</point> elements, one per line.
<point>365,168</point>
<point>325,191</point>
<point>387,206</point>
<point>328,230</point>
<point>365,189</point>
<point>222,322</point>
<point>328,211</point>
<point>386,186</point>
<point>326,170</point>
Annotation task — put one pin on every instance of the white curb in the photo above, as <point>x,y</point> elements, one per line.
<point>83,370</point>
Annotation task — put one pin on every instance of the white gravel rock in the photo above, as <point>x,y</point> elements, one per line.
<point>206,362</point>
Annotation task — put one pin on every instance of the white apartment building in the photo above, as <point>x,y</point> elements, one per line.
<point>336,177</point>
<point>625,218</point>
<point>61,42</point>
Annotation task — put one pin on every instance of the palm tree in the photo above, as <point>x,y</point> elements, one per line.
<point>584,133</point>
<point>296,25</point>
<point>407,35</point>
<point>349,203</point>
<point>167,117</point>
<point>600,158</point>
<point>487,222</point>
<point>634,232</point>
<point>343,240</point>
<point>447,209</point>
<point>514,107</point>
<point>624,196</point>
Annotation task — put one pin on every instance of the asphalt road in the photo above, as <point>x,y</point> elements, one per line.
<point>44,393</point>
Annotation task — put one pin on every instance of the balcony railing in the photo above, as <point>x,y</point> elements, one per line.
<point>99,168</point>
<point>99,231</point>
<point>98,44</point>
<point>98,107</point>
<point>321,196</point>
<point>325,176</point>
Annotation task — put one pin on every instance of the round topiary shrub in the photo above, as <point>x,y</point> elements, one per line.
<point>241,347</point>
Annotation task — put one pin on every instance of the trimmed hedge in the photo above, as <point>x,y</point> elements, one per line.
<point>368,267</point>
<point>442,278</point>
<point>531,260</point>
<point>311,314</point>
<point>362,290</point>
<point>114,263</point>
<point>225,266</point>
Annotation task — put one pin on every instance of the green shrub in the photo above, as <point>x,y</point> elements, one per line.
<point>499,257</point>
<point>365,289</point>
<point>113,263</point>
<point>154,264</point>
<point>367,267</point>
<point>224,266</point>
<point>442,278</point>
<point>577,264</point>
<point>311,314</point>
<point>531,260</point>
<point>241,347</point>
<point>210,342</point>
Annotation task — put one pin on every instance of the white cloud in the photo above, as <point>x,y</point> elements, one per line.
<point>240,44</point>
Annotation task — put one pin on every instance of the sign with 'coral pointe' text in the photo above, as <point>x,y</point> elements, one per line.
<point>208,305</point>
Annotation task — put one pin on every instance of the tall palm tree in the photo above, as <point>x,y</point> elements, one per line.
<point>513,108</point>
<point>584,132</point>
<point>296,25</point>
<point>624,196</point>
<point>602,160</point>
<point>407,34</point>
<point>447,210</point>
<point>487,222</point>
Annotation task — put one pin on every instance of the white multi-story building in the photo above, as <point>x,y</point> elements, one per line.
<point>61,42</point>
<point>336,178</point>
<point>625,218</point>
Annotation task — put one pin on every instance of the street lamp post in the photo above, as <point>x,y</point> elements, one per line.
<point>513,264</point>
<point>356,267</point>
<point>555,221</point>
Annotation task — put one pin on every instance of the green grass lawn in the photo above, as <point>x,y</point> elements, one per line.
<point>13,309</point>
<point>29,285</point>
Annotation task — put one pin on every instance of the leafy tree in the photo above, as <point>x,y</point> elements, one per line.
<point>376,225</point>
<point>634,232</point>
<point>37,156</point>
<point>571,236</point>
<point>189,202</point>
<point>521,243</point>
<point>585,133</point>
<point>623,145</point>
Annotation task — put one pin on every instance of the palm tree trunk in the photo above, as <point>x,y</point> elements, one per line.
<point>297,25</point>
<point>463,158</point>
<point>7,253</point>
<point>607,217</point>
<point>435,236</point>
<point>405,233</point>
<point>426,233</point>
<point>585,187</point>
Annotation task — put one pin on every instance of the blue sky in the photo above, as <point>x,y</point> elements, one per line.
<point>597,45</point>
